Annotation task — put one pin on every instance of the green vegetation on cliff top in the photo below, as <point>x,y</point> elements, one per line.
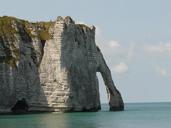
<point>9,26</point>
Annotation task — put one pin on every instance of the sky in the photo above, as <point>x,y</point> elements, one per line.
<point>134,36</point>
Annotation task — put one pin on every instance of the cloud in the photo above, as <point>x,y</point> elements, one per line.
<point>98,31</point>
<point>80,22</point>
<point>159,48</point>
<point>116,53</point>
<point>131,51</point>
<point>161,71</point>
<point>120,68</point>
<point>114,44</point>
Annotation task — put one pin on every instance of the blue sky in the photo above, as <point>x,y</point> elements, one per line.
<point>134,35</point>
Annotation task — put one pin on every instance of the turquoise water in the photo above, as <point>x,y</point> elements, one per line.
<point>143,115</point>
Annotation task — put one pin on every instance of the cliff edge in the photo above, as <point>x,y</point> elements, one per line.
<point>52,66</point>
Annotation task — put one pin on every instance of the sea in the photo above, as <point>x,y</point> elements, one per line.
<point>136,115</point>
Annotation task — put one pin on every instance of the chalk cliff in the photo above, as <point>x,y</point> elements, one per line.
<point>52,66</point>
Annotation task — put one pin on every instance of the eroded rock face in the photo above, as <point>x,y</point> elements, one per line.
<point>56,74</point>
<point>19,76</point>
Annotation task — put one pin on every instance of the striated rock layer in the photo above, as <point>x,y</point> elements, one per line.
<point>52,66</point>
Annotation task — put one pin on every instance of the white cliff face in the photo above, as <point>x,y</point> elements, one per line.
<point>68,69</point>
<point>58,74</point>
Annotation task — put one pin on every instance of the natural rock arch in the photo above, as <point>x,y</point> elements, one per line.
<point>73,65</point>
<point>53,66</point>
<point>114,96</point>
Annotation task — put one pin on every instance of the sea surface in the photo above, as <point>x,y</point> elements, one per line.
<point>136,115</point>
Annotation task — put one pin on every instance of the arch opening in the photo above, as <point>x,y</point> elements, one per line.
<point>103,93</point>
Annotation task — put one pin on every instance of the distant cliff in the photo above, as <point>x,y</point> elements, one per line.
<point>52,66</point>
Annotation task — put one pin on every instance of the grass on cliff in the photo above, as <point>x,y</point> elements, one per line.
<point>8,30</point>
<point>9,27</point>
<point>44,32</point>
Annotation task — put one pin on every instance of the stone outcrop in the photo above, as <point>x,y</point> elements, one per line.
<point>52,66</point>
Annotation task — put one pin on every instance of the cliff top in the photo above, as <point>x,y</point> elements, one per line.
<point>9,26</point>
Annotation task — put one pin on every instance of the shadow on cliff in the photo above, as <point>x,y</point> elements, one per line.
<point>28,94</point>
